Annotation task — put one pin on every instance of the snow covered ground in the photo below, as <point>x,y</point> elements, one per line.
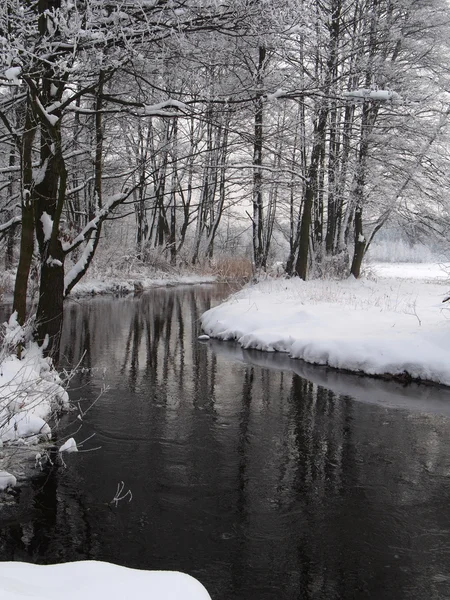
<point>92,580</point>
<point>388,324</point>
<point>137,283</point>
<point>123,283</point>
<point>420,271</point>
<point>31,391</point>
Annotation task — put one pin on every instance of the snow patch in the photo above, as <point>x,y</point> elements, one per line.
<point>47,226</point>
<point>275,95</point>
<point>12,74</point>
<point>7,480</point>
<point>39,174</point>
<point>160,109</point>
<point>54,262</point>
<point>362,94</point>
<point>91,580</point>
<point>69,446</point>
<point>52,119</point>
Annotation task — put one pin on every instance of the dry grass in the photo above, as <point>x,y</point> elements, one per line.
<point>232,268</point>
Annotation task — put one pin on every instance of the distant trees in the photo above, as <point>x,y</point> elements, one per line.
<point>354,133</point>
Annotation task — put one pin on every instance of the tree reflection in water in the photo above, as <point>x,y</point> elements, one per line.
<point>263,477</point>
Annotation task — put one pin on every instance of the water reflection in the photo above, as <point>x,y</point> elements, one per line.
<point>263,477</point>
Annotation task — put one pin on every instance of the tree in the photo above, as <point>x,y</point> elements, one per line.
<point>61,58</point>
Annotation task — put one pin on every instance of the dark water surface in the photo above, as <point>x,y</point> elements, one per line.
<point>262,477</point>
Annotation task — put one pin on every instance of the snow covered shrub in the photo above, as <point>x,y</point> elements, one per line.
<point>277,269</point>
<point>332,267</point>
<point>31,391</point>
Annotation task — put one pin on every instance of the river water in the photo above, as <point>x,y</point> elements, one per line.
<point>263,477</point>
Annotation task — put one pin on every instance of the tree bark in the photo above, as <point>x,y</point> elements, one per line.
<point>258,206</point>
<point>301,267</point>
<point>27,230</point>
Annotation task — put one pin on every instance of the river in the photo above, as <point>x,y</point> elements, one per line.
<point>263,477</point>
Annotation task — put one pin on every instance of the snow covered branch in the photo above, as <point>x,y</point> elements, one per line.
<point>11,223</point>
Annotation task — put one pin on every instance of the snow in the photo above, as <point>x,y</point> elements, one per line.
<point>416,271</point>
<point>92,580</point>
<point>52,119</point>
<point>160,108</point>
<point>54,262</point>
<point>25,427</point>
<point>13,74</point>
<point>39,173</point>
<point>80,264</point>
<point>69,446</point>
<point>10,223</point>
<point>275,95</point>
<point>362,94</point>
<point>377,327</point>
<point>30,391</point>
<point>6,480</point>
<point>47,225</point>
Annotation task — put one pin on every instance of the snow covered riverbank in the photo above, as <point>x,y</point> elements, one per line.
<point>381,326</point>
<point>31,392</point>
<point>94,580</point>
<point>121,283</point>
<point>128,285</point>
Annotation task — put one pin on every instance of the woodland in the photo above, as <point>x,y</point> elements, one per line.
<point>308,123</point>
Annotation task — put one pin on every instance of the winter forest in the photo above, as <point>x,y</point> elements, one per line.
<point>288,130</point>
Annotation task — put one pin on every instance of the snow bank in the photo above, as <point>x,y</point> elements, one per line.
<point>374,327</point>
<point>92,580</point>
<point>30,391</point>
<point>91,287</point>
<point>6,480</point>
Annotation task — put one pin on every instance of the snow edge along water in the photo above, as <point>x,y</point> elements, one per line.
<point>385,328</point>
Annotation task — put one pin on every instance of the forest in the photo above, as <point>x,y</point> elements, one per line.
<point>292,129</point>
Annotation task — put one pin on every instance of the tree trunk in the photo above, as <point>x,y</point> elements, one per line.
<point>301,267</point>
<point>360,244</point>
<point>27,230</point>
<point>49,314</point>
<point>258,207</point>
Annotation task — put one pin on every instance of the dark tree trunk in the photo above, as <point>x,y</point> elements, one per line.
<point>10,237</point>
<point>360,244</point>
<point>27,230</point>
<point>25,258</point>
<point>49,314</point>
<point>301,267</point>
